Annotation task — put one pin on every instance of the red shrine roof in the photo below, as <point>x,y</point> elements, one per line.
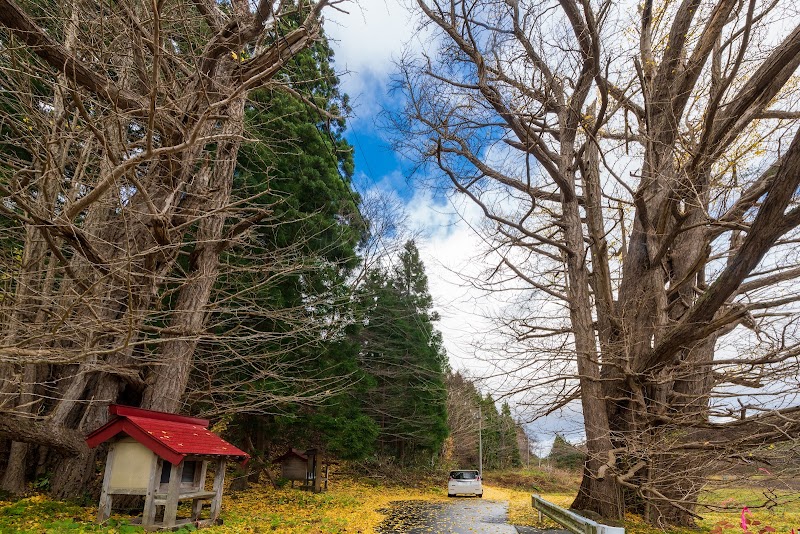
<point>172,437</point>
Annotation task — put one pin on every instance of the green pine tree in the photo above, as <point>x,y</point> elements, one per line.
<point>565,455</point>
<point>403,353</point>
<point>490,432</point>
<point>297,170</point>
<point>509,448</point>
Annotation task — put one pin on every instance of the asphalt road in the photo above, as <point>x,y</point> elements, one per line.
<point>456,516</point>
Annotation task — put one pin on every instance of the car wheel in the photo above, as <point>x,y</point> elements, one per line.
<point>450,495</point>
<point>479,495</point>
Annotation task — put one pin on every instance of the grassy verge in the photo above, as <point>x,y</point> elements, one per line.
<point>516,486</point>
<point>779,509</point>
<point>39,514</point>
<point>721,510</point>
<point>520,511</point>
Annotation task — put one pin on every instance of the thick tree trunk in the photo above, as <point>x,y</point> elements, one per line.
<point>14,476</point>
<point>599,495</point>
<point>63,441</point>
<point>72,476</point>
<point>171,376</point>
<point>676,481</point>
<point>33,289</point>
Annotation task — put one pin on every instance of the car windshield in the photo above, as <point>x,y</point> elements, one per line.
<point>463,475</point>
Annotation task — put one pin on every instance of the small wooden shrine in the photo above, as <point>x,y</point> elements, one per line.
<point>306,467</point>
<point>165,458</point>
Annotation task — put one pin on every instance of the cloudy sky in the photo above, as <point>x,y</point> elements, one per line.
<point>367,41</point>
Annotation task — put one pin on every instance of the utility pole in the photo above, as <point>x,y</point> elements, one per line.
<point>480,442</point>
<point>528,448</point>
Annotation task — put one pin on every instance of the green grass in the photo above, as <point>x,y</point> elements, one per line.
<point>779,509</point>
<point>721,507</point>
<point>536,480</point>
<point>37,514</point>
<point>721,511</point>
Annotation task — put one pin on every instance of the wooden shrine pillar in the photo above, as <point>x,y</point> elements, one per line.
<point>219,481</point>
<point>149,514</point>
<point>173,492</point>
<point>106,499</point>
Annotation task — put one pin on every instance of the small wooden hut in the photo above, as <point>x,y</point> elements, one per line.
<point>163,457</point>
<point>305,467</point>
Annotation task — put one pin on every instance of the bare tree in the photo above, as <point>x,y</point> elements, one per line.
<point>121,124</point>
<point>463,401</point>
<point>527,445</point>
<point>638,172</point>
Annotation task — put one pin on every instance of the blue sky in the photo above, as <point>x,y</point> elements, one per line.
<point>366,42</point>
<point>376,162</point>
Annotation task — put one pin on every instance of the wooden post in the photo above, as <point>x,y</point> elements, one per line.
<point>173,490</point>
<point>309,484</point>
<point>317,474</point>
<point>201,480</point>
<point>104,508</point>
<point>197,509</point>
<point>219,480</point>
<point>149,514</point>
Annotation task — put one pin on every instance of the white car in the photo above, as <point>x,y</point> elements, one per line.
<point>464,482</point>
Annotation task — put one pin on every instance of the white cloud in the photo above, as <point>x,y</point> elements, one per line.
<point>370,35</point>
<point>367,41</point>
<point>451,251</point>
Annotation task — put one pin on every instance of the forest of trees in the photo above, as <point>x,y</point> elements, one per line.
<point>498,429</point>
<point>180,232</point>
<point>565,455</point>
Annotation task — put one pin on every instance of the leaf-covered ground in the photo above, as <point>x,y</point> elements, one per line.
<point>354,507</point>
<point>348,506</point>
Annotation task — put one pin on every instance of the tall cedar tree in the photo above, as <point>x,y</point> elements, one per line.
<point>498,430</point>
<point>403,353</point>
<point>300,168</point>
<point>508,452</point>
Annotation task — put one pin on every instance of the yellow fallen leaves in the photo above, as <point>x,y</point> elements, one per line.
<point>38,514</point>
<point>520,510</point>
<point>348,506</point>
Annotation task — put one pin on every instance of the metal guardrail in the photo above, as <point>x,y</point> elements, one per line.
<point>570,520</point>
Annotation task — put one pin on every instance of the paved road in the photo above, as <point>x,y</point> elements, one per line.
<point>456,516</point>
